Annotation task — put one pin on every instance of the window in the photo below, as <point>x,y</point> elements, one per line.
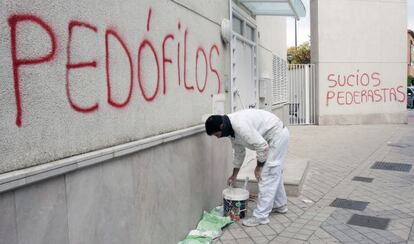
<point>243,26</point>
<point>237,25</point>
<point>250,33</point>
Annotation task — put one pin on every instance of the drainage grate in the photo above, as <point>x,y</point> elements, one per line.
<point>392,166</point>
<point>363,179</point>
<point>349,204</point>
<point>369,221</point>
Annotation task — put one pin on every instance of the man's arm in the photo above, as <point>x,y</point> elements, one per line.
<point>239,155</point>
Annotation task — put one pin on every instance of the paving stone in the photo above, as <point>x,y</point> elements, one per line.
<point>266,230</point>
<point>260,240</point>
<point>302,237</point>
<point>292,229</point>
<point>253,232</point>
<point>279,239</point>
<point>226,236</point>
<point>245,241</point>
<point>294,241</point>
<point>238,233</point>
<point>317,242</point>
<point>341,153</point>
<point>229,242</point>
<point>287,234</point>
<point>401,233</point>
<point>306,232</point>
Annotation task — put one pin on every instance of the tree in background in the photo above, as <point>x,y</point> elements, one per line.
<point>299,55</point>
<point>410,80</point>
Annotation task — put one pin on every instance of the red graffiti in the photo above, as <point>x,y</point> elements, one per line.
<point>165,60</point>
<point>383,95</point>
<point>356,79</point>
<point>366,95</point>
<point>149,19</point>
<point>178,65</point>
<point>146,49</point>
<point>79,65</point>
<point>17,62</point>
<point>185,62</point>
<point>111,101</point>
<point>214,47</point>
<point>196,74</point>
<point>141,48</point>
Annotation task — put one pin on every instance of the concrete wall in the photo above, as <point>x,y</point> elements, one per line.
<point>359,48</point>
<point>77,76</point>
<point>82,78</point>
<point>155,196</point>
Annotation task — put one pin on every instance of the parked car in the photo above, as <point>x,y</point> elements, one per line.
<point>410,97</point>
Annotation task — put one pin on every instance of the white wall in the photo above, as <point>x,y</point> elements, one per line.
<point>363,44</point>
<point>272,41</point>
<point>63,111</point>
<point>272,31</point>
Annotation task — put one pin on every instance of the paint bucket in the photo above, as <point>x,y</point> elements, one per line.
<point>235,203</point>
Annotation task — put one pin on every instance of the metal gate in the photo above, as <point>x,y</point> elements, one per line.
<point>301,94</point>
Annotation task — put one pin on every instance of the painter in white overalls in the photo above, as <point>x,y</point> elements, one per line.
<point>263,132</point>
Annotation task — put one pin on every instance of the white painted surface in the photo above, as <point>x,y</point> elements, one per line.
<point>272,31</point>
<point>360,39</point>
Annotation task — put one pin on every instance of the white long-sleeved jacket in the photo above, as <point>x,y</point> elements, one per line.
<point>255,129</point>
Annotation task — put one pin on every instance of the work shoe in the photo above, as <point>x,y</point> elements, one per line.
<point>253,221</point>
<point>282,210</point>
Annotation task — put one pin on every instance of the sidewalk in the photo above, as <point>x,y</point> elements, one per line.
<point>337,154</point>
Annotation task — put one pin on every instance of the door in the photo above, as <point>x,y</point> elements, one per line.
<point>244,82</point>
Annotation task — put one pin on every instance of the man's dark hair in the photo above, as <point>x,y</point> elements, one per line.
<point>213,124</point>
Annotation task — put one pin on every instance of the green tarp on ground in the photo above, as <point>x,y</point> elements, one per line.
<point>208,228</point>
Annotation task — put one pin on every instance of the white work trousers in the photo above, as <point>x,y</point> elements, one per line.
<point>272,193</point>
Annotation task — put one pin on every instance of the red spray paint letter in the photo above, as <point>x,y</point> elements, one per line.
<point>111,101</point>
<point>145,43</point>
<point>196,73</point>
<point>80,65</point>
<point>214,47</point>
<point>165,60</point>
<point>17,62</point>
<point>185,62</point>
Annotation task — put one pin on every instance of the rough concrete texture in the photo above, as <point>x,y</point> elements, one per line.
<point>361,71</point>
<point>154,196</point>
<point>128,70</point>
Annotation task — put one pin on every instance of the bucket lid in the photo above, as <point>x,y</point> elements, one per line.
<point>235,194</point>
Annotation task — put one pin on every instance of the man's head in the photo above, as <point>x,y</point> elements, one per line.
<point>214,125</point>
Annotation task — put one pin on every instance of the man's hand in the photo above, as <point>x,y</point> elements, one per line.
<point>231,180</point>
<point>258,172</point>
<point>233,177</point>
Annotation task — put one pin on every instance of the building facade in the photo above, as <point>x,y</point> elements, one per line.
<point>102,105</point>
<point>359,49</point>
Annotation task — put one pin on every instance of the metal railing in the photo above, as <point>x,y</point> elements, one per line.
<point>301,94</point>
